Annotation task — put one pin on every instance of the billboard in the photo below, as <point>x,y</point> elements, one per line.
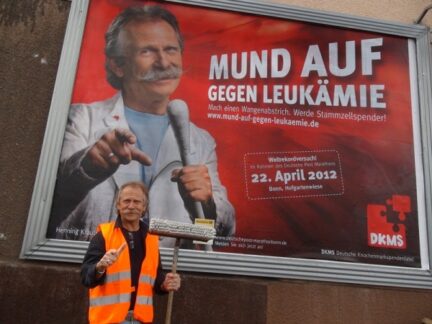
<point>316,130</point>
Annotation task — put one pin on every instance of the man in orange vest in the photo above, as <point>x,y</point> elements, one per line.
<point>122,265</point>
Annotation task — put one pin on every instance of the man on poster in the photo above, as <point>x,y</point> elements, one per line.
<point>129,137</point>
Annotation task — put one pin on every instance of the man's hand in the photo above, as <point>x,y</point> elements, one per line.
<point>172,282</point>
<point>194,183</point>
<point>112,149</point>
<point>109,258</point>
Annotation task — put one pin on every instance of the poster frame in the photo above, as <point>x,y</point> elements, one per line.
<point>37,247</point>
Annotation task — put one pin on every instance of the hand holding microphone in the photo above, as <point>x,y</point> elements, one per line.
<point>194,180</point>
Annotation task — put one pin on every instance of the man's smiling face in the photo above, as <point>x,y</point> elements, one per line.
<point>153,59</point>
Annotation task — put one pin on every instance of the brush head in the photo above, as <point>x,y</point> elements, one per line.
<point>180,230</point>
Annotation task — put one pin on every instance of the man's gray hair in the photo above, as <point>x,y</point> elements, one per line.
<point>114,50</point>
<point>134,184</point>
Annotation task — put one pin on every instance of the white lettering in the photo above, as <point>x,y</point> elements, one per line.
<point>250,64</point>
<point>314,62</point>
<point>349,59</point>
<point>368,56</point>
<point>231,93</point>
<point>386,240</point>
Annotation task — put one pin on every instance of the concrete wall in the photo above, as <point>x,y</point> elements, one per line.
<point>402,11</point>
<point>31,34</point>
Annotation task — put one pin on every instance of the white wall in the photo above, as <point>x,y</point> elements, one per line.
<point>403,11</point>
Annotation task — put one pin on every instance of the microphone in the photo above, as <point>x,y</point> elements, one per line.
<point>178,114</point>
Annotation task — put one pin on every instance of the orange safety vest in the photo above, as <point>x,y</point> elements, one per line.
<point>109,302</point>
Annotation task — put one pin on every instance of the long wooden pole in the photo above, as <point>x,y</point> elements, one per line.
<point>171,293</point>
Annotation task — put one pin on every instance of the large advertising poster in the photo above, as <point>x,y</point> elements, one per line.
<point>313,130</point>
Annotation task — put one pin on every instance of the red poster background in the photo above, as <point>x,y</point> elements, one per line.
<point>376,159</point>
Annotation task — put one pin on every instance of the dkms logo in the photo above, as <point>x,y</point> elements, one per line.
<point>386,228</point>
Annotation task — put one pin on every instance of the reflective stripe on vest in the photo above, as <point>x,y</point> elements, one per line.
<point>143,300</point>
<point>110,301</point>
<point>124,275</point>
<point>147,280</point>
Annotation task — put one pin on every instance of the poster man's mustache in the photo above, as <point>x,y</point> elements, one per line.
<point>156,74</point>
